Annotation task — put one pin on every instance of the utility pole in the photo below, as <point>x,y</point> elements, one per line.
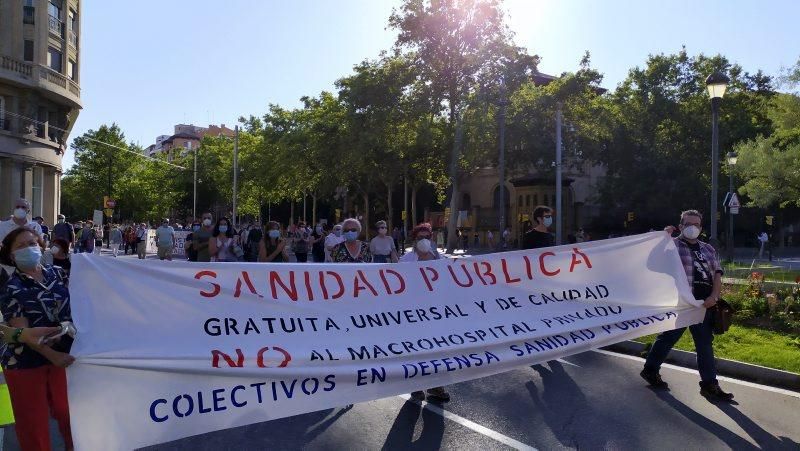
<point>559,211</point>
<point>194,196</point>
<point>235,170</point>
<point>502,160</point>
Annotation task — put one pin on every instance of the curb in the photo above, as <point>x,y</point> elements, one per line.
<point>731,368</point>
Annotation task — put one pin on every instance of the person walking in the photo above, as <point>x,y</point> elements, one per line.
<point>539,236</point>
<point>35,296</point>
<point>202,238</point>
<point>222,243</point>
<point>423,250</point>
<point>301,242</point>
<point>318,244</point>
<point>88,237</point>
<point>382,246</point>
<point>19,218</point>
<point>351,250</point>
<point>141,241</point>
<point>272,248</point>
<point>64,230</point>
<point>165,240</point>
<point>115,239</point>
<point>763,239</point>
<point>704,273</point>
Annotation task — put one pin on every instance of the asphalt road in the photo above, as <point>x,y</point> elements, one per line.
<point>593,400</point>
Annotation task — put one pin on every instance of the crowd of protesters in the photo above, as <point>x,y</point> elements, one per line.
<point>35,298</point>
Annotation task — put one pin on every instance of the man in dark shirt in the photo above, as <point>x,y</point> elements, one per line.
<point>538,236</point>
<point>704,273</point>
<point>64,231</point>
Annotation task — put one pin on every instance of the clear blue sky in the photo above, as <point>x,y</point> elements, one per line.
<point>150,64</point>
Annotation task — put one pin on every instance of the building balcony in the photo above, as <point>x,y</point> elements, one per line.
<point>50,83</point>
<point>55,26</point>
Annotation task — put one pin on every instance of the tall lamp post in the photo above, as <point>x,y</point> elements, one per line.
<point>733,157</point>
<point>716,84</point>
<point>502,159</point>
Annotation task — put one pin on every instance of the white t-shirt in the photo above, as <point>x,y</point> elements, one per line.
<point>7,226</point>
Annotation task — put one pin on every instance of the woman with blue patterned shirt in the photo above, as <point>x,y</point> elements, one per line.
<point>35,296</point>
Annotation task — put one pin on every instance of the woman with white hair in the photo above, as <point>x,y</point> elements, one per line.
<point>351,250</point>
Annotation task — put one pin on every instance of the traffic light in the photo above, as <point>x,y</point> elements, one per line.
<point>630,216</point>
<point>769,220</point>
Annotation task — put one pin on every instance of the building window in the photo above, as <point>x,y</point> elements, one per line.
<point>3,113</point>
<point>536,199</point>
<point>72,22</point>
<point>54,21</point>
<point>28,12</point>
<point>519,201</point>
<point>37,192</point>
<point>72,69</point>
<point>28,52</point>
<point>527,200</point>
<point>54,59</point>
<point>545,201</point>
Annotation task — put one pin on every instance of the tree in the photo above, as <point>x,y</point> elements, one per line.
<point>456,46</point>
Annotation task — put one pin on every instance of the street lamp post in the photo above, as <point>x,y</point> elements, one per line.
<point>716,84</point>
<point>502,160</point>
<point>732,159</point>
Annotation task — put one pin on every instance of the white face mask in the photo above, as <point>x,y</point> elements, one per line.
<point>20,213</point>
<point>55,249</point>
<point>206,222</point>
<point>691,232</point>
<point>424,245</point>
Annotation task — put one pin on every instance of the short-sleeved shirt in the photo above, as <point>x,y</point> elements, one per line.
<point>8,226</point>
<point>695,256</point>
<point>165,235</point>
<point>43,304</point>
<point>340,254</point>
<point>381,245</point>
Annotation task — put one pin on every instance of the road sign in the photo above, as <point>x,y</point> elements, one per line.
<point>733,201</point>
<point>109,212</point>
<point>769,220</point>
<point>734,210</point>
<point>108,202</point>
<point>631,216</point>
<point>404,215</point>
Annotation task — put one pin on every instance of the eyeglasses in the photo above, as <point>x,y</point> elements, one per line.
<point>351,230</point>
<point>22,206</point>
<point>423,237</point>
<point>548,216</point>
<point>381,228</point>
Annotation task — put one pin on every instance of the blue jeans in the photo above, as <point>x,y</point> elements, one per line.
<point>703,336</point>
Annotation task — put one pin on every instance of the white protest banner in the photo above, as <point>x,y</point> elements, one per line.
<point>171,349</point>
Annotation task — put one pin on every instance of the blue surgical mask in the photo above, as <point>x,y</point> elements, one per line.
<point>548,221</point>
<point>223,229</point>
<point>351,236</point>
<point>28,257</point>
<point>196,227</point>
<point>274,233</point>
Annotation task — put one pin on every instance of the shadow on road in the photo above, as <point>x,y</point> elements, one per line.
<point>401,436</point>
<point>764,439</point>
<point>730,438</point>
<point>566,411</point>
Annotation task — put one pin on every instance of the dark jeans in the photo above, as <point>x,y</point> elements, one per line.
<point>301,258</point>
<point>377,258</point>
<point>703,336</point>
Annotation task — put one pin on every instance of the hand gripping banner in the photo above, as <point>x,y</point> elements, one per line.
<point>172,349</point>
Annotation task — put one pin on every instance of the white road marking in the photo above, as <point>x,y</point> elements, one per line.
<point>781,391</point>
<point>568,363</point>
<point>483,430</point>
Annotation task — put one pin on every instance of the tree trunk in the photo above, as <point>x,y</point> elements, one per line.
<point>452,239</point>
<point>413,207</point>
<point>314,208</point>
<point>291,213</point>
<point>389,208</point>
<point>365,223</point>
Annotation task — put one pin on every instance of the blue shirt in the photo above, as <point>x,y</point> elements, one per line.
<point>43,304</point>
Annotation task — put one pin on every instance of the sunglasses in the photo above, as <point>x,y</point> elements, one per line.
<point>351,230</point>
<point>423,237</point>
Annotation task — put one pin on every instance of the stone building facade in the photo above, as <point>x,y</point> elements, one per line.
<point>40,98</point>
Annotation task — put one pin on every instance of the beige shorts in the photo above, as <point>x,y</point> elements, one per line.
<point>164,251</point>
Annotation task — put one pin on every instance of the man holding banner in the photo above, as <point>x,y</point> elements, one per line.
<point>704,272</point>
